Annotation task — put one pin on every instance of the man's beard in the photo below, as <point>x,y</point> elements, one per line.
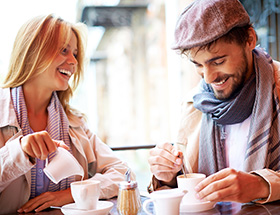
<point>239,78</point>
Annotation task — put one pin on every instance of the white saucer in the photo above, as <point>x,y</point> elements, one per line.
<point>197,207</point>
<point>103,208</point>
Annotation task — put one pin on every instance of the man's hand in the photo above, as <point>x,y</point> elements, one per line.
<point>45,200</point>
<point>40,145</point>
<point>165,162</point>
<point>231,185</point>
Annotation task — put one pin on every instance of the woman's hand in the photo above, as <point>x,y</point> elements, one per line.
<point>45,200</point>
<point>40,145</point>
<point>165,162</point>
<point>231,185</point>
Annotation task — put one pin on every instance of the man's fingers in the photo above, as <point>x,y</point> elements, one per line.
<point>168,147</point>
<point>161,169</point>
<point>215,189</point>
<point>163,157</point>
<point>215,177</point>
<point>219,195</point>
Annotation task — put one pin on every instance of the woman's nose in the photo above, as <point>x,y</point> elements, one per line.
<point>71,59</point>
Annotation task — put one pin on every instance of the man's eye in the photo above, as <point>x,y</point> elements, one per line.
<point>198,65</point>
<point>216,63</point>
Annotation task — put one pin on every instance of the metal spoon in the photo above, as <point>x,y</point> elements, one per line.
<point>127,175</point>
<point>67,208</point>
<point>186,167</point>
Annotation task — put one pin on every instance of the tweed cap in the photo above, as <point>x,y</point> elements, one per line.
<point>204,21</point>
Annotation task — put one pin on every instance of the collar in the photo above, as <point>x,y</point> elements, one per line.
<point>7,113</point>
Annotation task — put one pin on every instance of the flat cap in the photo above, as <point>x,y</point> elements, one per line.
<point>204,21</point>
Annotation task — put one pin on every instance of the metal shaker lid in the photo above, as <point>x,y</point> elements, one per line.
<point>128,185</point>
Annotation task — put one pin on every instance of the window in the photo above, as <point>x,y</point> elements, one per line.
<point>266,19</point>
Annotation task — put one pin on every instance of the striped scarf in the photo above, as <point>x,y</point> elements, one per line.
<point>263,149</point>
<point>58,129</point>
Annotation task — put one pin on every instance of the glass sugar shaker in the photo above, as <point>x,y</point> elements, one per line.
<point>129,202</point>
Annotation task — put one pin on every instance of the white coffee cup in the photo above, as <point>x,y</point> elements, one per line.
<point>86,193</point>
<point>189,182</point>
<point>165,202</point>
<point>62,165</point>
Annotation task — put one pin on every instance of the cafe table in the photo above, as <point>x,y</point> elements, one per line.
<point>221,208</point>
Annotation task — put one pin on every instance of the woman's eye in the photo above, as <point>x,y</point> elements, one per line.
<point>64,51</point>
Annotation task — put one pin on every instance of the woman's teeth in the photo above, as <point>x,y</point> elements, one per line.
<point>66,72</point>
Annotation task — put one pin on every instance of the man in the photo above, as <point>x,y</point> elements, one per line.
<point>231,125</point>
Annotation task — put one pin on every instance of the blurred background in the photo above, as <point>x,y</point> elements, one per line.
<point>134,83</point>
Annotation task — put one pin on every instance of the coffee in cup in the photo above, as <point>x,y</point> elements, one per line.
<point>188,182</point>
<point>86,193</point>
<point>165,202</point>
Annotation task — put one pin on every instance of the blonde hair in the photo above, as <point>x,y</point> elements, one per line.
<point>37,44</point>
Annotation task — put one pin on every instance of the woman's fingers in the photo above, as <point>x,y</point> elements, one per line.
<point>40,145</point>
<point>60,143</point>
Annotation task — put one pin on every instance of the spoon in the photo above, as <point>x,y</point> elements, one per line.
<point>186,167</point>
<point>127,175</point>
<point>67,208</point>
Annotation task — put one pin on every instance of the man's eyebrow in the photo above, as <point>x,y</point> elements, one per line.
<point>194,62</point>
<point>210,60</point>
<point>215,58</point>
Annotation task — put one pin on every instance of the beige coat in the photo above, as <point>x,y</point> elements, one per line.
<point>189,135</point>
<point>96,158</point>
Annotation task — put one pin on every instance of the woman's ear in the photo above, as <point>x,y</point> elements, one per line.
<point>252,38</point>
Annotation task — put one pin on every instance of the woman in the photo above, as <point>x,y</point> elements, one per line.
<point>35,116</point>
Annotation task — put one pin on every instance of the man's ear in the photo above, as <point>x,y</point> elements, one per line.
<point>252,39</point>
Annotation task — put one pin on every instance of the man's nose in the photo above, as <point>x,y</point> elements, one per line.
<point>208,75</point>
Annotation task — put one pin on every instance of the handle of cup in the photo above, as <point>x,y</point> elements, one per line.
<point>47,162</point>
<point>145,204</point>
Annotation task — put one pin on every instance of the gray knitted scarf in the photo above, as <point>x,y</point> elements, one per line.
<point>258,98</point>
